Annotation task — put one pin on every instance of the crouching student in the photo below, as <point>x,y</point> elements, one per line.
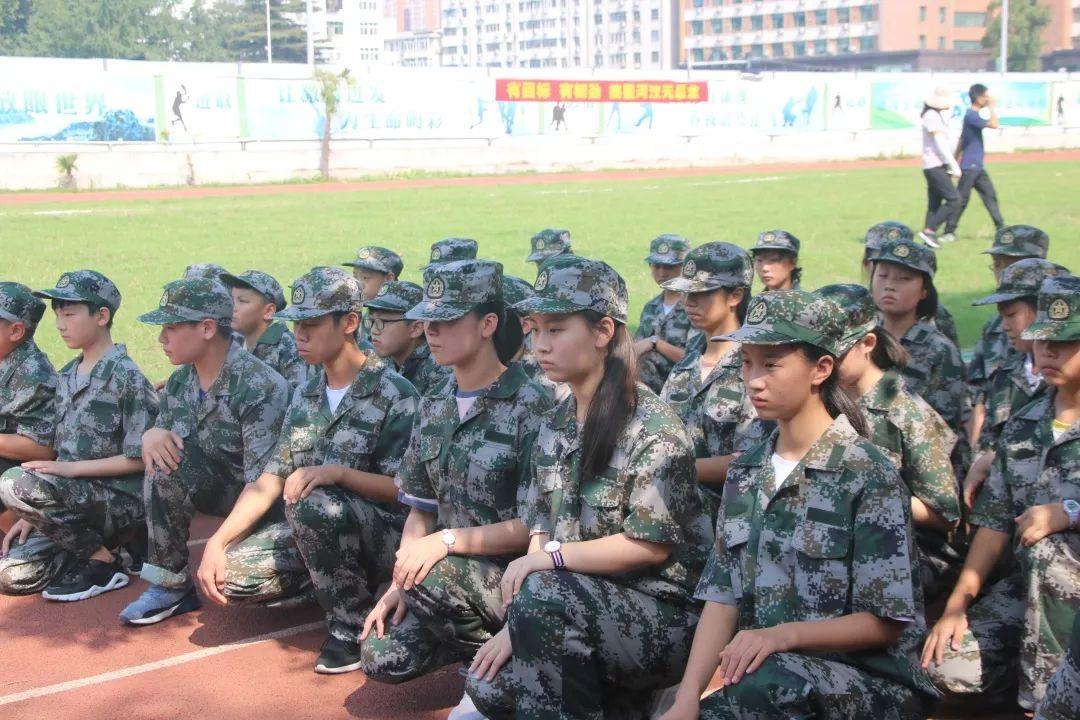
<point>402,341</point>
<point>811,593</point>
<point>600,609</point>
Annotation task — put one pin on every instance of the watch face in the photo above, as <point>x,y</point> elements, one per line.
<point>552,546</point>
<point>449,538</point>
<point>1071,506</point>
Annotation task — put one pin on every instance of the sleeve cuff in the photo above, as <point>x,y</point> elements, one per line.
<point>424,504</point>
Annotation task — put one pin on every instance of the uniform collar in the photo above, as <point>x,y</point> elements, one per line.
<point>364,384</point>
<point>272,335</point>
<point>104,367</point>
<point>566,412</point>
<point>827,453</point>
<point>882,395</point>
<point>14,359</point>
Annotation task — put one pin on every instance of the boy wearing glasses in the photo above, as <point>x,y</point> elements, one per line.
<point>402,341</point>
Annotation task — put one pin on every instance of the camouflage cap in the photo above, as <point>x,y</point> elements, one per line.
<point>1058,316</point>
<point>860,314</point>
<point>1020,241</point>
<point>784,317</point>
<point>909,254</point>
<point>713,266</point>
<point>260,282</point>
<point>18,304</point>
<point>321,291</point>
<point>577,284</point>
<point>515,289</point>
<point>192,300</point>
<point>204,270</point>
<point>88,286</point>
<point>450,249</point>
<point>668,250</point>
<point>776,240</point>
<point>1023,279</point>
<point>548,242</point>
<point>379,259</point>
<point>396,296</point>
<point>884,232</point>
<point>452,290</point>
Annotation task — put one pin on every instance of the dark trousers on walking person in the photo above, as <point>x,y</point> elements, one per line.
<point>943,198</point>
<point>978,179</point>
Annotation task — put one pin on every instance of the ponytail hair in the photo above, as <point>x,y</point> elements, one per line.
<point>928,306</point>
<point>614,402</point>
<point>837,401</point>
<point>508,336</point>
<point>888,353</point>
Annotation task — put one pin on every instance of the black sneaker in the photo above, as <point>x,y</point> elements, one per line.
<point>87,581</point>
<point>338,656</point>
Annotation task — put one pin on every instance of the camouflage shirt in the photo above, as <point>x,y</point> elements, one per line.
<point>556,391</point>
<point>277,348</point>
<point>990,351</point>
<point>946,323</point>
<point>238,420</point>
<point>1030,467</point>
<point>831,539</point>
<point>28,394</point>
<point>474,471</point>
<point>673,327</point>
<point>103,413</point>
<point>648,492</point>
<point>368,432</point>
<point>935,373</point>
<point>1005,392</point>
<point>423,372</point>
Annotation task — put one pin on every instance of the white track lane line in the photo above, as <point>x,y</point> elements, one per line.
<point>158,665</point>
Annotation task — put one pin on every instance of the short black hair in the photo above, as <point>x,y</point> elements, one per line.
<point>91,308</point>
<point>976,91</point>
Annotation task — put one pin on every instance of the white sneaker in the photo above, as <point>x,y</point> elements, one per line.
<point>930,239</point>
<point>947,238</point>
<point>465,710</point>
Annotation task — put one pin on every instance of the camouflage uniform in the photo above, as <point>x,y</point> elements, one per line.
<point>1062,696</point>
<point>229,433</point>
<point>672,326</point>
<point>548,243</point>
<point>209,271</point>
<point>380,260</point>
<point>993,348</point>
<point>347,541</point>
<point>780,240</point>
<point>469,472</point>
<point>451,249</point>
<point>419,368</point>
<point>640,640</point>
<point>719,417</point>
<point>1031,468</point>
<point>27,378</point>
<point>98,415</point>
<point>831,539</point>
<point>516,290</point>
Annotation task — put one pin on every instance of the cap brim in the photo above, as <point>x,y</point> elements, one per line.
<point>1002,297</point>
<point>374,304</point>
<point>1006,253</point>
<point>849,340</point>
<point>662,260</point>
<point>752,335</point>
<point>162,317</point>
<point>1053,331</point>
<point>294,314</point>
<point>367,266</point>
<point>230,280</point>
<point>547,306</point>
<point>60,294</point>
<point>429,311</point>
<point>686,285</point>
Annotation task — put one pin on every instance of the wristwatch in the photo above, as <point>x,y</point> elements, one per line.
<point>554,549</point>
<point>448,539</point>
<point>654,340</point>
<point>1072,509</point>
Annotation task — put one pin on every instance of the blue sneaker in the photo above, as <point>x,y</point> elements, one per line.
<point>159,603</point>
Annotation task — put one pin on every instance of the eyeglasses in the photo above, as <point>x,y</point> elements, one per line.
<point>377,325</point>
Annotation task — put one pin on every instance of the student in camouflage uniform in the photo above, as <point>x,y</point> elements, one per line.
<point>1030,503</point>
<point>875,239</point>
<point>373,267</point>
<point>600,609</point>
<point>402,341</point>
<point>1062,696</point>
<point>256,297</point>
<point>663,329</point>
<point>548,243</point>
<point>27,381</point>
<point>219,420</point>
<point>463,476</point>
<point>776,260</point>
<point>705,388</point>
<point>812,600</point>
<point>913,436</point>
<point>89,500</point>
<point>449,250</point>
<point>1014,381</point>
<point>904,292</point>
<point>1011,244</point>
<point>516,290</point>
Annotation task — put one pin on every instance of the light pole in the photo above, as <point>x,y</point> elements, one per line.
<point>269,41</point>
<point>1004,36</point>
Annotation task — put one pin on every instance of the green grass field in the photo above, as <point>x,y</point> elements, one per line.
<point>143,244</point>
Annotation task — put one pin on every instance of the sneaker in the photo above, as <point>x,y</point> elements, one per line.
<point>947,238</point>
<point>87,581</point>
<point>159,603</point>
<point>466,710</point>
<point>338,656</point>
<point>929,237</point>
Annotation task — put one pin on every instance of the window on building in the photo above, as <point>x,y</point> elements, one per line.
<point>941,42</point>
<point>941,15</point>
<point>799,47</point>
<point>757,22</point>
<point>821,17</point>
<point>655,14</point>
<point>868,13</point>
<point>778,20</point>
<point>778,49</point>
<point>655,35</point>
<point>736,24</point>
<point>843,15</point>
<point>967,45</point>
<point>969,19</point>
<point>619,16</point>
<point>867,44</point>
<point>843,45</point>
<point>821,47</point>
<point>699,55</point>
<point>335,28</point>
<point>696,27</point>
<point>655,56</point>
<point>757,50</point>
<point>637,58</point>
<point>922,13</point>
<point>800,19</point>
<point>922,42</point>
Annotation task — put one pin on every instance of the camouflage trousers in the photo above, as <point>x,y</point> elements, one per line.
<point>266,566</point>
<point>72,519</point>
<point>586,647</point>
<point>348,547</point>
<point>451,614</point>
<point>199,485</point>
<point>987,661</point>
<point>1062,698</point>
<point>790,685</point>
